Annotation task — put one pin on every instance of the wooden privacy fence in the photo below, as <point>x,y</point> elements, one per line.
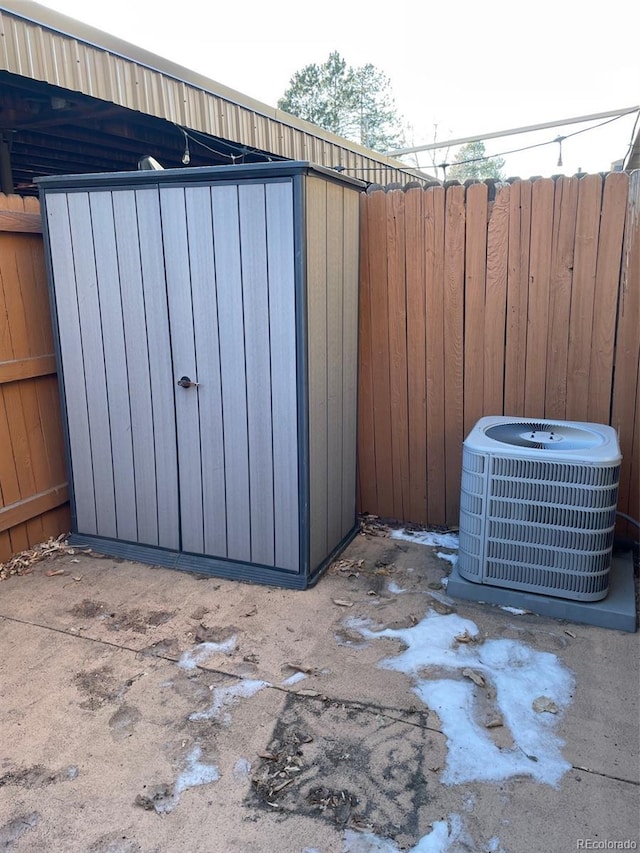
<point>521,299</point>
<point>33,488</point>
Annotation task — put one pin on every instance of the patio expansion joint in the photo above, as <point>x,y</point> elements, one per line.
<point>388,712</point>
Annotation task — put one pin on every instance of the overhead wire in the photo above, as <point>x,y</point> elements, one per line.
<point>534,145</point>
<point>243,151</point>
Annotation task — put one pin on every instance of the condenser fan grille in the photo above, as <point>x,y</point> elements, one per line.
<point>537,435</point>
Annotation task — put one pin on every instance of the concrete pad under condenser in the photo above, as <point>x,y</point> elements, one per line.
<point>617,610</point>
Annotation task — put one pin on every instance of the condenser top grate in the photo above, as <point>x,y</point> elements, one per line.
<point>544,436</point>
<point>564,441</point>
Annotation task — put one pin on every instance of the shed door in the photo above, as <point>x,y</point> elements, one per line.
<point>155,285</point>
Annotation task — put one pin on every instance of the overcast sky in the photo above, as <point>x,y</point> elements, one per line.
<point>467,67</point>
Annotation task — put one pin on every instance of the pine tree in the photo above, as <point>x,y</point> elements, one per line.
<point>356,103</point>
<point>471,162</point>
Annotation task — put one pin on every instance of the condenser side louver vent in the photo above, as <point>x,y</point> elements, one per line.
<point>538,506</point>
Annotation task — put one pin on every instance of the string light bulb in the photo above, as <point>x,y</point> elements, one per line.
<point>186,157</point>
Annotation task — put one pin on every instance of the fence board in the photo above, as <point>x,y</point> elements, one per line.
<point>538,309</point>
<point>367,480</point>
<point>454,255</point>
<point>582,295</point>
<point>495,302</point>
<point>517,296</point>
<point>616,190</point>
<point>560,285</point>
<point>435,486</point>
<point>416,354</point>
<point>398,352</point>
<point>380,352</point>
<point>625,415</point>
<point>474,303</point>
<point>33,489</point>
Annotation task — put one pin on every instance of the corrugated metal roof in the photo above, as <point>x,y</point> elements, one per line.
<point>40,44</point>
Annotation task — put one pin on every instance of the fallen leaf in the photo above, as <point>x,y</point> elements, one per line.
<point>495,723</point>
<point>50,573</point>
<point>544,703</point>
<point>301,668</point>
<point>341,602</point>
<point>434,585</point>
<point>464,638</point>
<point>75,560</point>
<point>474,676</point>
<point>77,577</point>
<point>268,756</point>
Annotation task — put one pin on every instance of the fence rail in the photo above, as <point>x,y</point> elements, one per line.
<point>520,299</point>
<point>33,488</point>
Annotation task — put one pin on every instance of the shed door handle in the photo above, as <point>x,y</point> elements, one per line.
<point>185,382</point>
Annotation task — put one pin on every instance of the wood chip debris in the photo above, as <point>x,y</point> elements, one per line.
<point>23,563</point>
<point>372,525</point>
<point>351,567</point>
<point>544,704</point>
<point>474,676</point>
<point>342,602</point>
<point>464,637</point>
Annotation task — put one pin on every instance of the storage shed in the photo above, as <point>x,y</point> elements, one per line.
<point>206,324</point>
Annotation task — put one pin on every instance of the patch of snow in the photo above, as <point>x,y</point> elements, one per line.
<point>241,769</point>
<point>446,835</point>
<point>515,610</point>
<point>198,654</point>
<point>226,697</point>
<point>518,675</point>
<point>444,581</point>
<point>428,537</point>
<point>394,588</point>
<point>450,558</point>
<point>294,679</point>
<point>194,774</point>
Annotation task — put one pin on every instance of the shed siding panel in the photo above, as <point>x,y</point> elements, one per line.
<point>256,318</point>
<point>335,319</point>
<point>349,358</point>
<point>93,357</point>
<point>128,240</point>
<point>316,209</point>
<point>205,318</point>
<point>176,259</point>
<point>118,388</point>
<point>282,319</point>
<point>161,368</point>
<point>226,235</point>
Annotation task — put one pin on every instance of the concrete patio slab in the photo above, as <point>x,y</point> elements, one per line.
<point>146,710</point>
